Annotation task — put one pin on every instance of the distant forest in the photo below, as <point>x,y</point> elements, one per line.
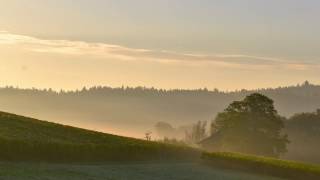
<point>133,111</point>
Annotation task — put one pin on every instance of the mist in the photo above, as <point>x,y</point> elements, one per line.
<point>134,111</point>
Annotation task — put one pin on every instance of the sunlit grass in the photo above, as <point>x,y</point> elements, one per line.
<point>263,165</point>
<point>27,139</point>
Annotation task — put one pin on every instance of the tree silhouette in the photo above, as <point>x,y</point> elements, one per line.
<point>197,133</point>
<point>252,126</point>
<point>148,135</point>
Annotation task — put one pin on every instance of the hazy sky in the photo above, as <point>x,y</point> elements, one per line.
<point>228,44</point>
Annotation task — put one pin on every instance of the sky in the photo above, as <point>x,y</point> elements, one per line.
<point>224,44</point>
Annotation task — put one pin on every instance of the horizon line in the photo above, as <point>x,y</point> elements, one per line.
<point>87,88</point>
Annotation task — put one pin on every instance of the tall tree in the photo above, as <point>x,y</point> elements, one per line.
<point>197,133</point>
<point>252,126</point>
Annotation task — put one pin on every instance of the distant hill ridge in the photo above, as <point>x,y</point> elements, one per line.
<point>137,110</point>
<point>127,90</point>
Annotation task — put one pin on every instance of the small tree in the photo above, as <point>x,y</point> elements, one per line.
<point>148,136</point>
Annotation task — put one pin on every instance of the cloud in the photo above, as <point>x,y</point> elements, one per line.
<point>116,52</point>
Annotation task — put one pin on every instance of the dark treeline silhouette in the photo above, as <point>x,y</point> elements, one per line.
<point>137,110</point>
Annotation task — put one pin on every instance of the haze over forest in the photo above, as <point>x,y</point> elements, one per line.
<point>134,111</point>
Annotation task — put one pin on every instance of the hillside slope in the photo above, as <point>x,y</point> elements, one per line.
<point>28,129</point>
<point>23,138</point>
<point>262,165</point>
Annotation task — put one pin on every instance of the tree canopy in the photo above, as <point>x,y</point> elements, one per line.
<point>304,134</point>
<point>252,126</point>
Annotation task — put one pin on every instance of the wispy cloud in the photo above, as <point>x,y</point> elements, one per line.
<point>116,52</point>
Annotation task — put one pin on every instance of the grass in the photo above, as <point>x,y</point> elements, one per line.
<point>120,171</point>
<point>24,139</point>
<point>263,165</point>
<point>27,139</point>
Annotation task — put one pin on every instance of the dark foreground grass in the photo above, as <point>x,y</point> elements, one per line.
<point>121,171</point>
<point>263,165</point>
<point>27,139</point>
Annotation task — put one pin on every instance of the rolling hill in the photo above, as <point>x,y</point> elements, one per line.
<point>23,138</point>
<point>262,165</point>
<point>24,142</point>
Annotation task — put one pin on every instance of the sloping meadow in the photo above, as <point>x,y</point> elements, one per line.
<point>27,139</point>
<point>262,165</point>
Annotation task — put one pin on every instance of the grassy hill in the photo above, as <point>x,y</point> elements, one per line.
<point>263,165</point>
<point>23,138</point>
<point>26,139</point>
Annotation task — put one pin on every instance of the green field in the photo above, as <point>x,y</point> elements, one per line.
<point>121,171</point>
<point>262,165</point>
<point>33,149</point>
<point>27,139</point>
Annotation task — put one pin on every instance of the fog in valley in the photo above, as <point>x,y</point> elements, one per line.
<point>134,111</point>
